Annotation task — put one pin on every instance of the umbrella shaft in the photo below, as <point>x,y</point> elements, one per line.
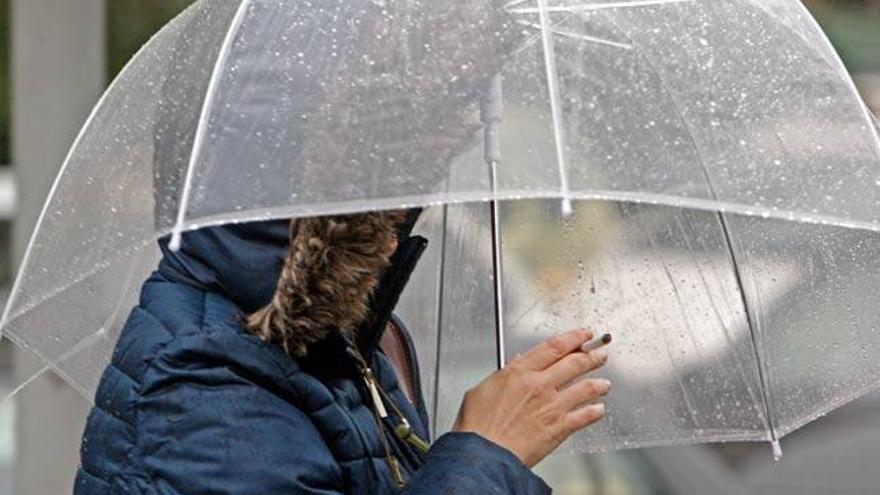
<point>490,114</point>
<point>497,271</point>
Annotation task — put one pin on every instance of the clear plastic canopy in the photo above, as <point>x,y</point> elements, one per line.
<point>724,174</point>
<point>726,327</point>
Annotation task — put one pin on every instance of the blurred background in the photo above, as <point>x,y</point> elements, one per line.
<point>57,56</point>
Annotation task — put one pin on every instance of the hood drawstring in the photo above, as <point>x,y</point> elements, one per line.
<point>379,399</point>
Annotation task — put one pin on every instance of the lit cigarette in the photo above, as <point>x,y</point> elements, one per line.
<point>596,343</point>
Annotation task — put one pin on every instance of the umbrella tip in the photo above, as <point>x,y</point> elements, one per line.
<point>777,450</point>
<point>174,245</point>
<point>566,207</point>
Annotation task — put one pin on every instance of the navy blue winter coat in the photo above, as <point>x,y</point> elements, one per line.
<point>192,404</point>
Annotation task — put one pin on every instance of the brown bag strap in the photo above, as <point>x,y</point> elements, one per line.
<point>395,343</point>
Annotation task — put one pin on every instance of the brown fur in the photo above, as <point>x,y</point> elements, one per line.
<point>332,270</point>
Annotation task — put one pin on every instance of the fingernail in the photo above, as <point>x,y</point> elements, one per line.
<point>599,408</point>
<point>604,384</point>
<point>601,354</point>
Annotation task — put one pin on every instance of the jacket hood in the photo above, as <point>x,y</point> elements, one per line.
<point>330,274</point>
<point>242,262</point>
<point>298,282</point>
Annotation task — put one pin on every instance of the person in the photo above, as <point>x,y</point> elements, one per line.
<point>229,377</point>
<point>244,369</point>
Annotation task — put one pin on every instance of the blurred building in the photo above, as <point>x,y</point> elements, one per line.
<point>56,59</point>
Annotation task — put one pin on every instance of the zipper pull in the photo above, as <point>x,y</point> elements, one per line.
<point>405,432</point>
<point>396,473</point>
<point>370,380</point>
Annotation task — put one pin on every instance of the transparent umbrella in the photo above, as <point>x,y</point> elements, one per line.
<point>698,177</point>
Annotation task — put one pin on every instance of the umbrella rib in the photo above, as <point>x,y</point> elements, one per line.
<point>766,398</point>
<point>22,385</point>
<point>440,296</point>
<point>741,367</point>
<point>80,345</point>
<point>202,129</point>
<point>578,36</point>
<point>555,104</point>
<point>52,365</point>
<point>760,364</point>
<point>121,253</point>
<point>18,341</point>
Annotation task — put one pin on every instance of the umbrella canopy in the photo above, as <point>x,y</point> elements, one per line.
<point>719,180</point>
<point>704,345</point>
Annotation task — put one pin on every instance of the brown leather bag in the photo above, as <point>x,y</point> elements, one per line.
<point>397,346</point>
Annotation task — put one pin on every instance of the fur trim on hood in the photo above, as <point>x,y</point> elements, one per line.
<point>332,270</point>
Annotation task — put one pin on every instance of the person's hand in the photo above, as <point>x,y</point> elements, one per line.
<point>532,405</point>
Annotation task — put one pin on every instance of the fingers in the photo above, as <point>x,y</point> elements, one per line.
<point>546,353</point>
<point>583,417</point>
<point>574,365</point>
<point>582,392</point>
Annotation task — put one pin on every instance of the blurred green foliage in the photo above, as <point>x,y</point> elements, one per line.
<point>855,32</point>
<point>130,25</point>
